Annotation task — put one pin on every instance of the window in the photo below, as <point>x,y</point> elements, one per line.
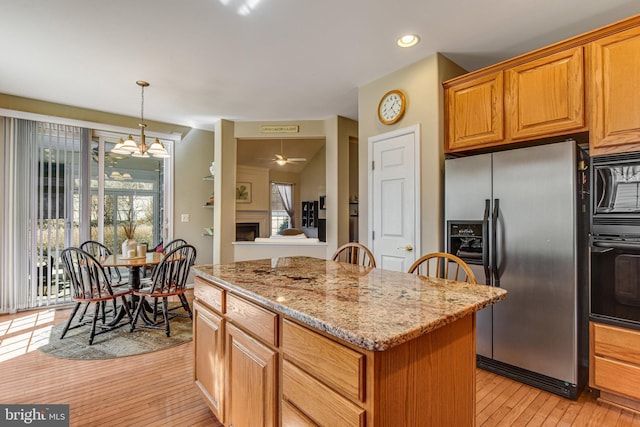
<point>133,192</point>
<point>281,206</point>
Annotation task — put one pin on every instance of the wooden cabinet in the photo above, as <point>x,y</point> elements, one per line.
<point>208,332</point>
<point>235,371</point>
<point>615,364</point>
<point>257,367</point>
<point>590,82</point>
<point>538,98</point>
<point>475,113</point>
<point>546,96</point>
<point>615,89</point>
<point>251,381</point>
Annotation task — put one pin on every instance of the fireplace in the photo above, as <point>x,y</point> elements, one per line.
<point>247,231</point>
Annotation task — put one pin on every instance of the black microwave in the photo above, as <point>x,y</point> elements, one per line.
<point>615,194</point>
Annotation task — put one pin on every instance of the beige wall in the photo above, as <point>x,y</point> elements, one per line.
<point>17,103</point>
<point>260,192</point>
<point>224,212</point>
<point>312,178</point>
<point>421,83</point>
<point>193,156</point>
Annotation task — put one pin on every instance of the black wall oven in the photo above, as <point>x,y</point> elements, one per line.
<point>615,280</point>
<point>615,240</point>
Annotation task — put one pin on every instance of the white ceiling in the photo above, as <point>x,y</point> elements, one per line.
<point>286,60</point>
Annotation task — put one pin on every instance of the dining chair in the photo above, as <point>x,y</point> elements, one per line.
<point>98,250</point>
<point>165,249</point>
<point>355,253</point>
<point>174,244</point>
<point>91,284</point>
<point>169,279</point>
<point>437,264</point>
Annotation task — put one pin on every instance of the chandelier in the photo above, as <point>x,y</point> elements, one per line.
<point>130,146</point>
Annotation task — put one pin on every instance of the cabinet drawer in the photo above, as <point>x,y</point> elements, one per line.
<point>617,377</point>
<point>291,417</point>
<point>616,343</point>
<point>317,401</point>
<point>257,320</point>
<point>209,294</point>
<point>338,366</point>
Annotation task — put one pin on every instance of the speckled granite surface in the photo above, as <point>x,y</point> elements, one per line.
<point>372,308</point>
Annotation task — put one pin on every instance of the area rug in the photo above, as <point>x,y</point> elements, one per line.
<point>116,343</point>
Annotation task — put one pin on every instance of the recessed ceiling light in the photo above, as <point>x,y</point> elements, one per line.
<point>408,40</point>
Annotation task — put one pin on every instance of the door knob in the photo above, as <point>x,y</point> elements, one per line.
<point>407,248</point>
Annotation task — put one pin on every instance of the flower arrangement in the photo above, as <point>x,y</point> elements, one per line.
<point>129,229</point>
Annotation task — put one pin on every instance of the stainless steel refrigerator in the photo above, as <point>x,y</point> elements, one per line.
<point>518,217</point>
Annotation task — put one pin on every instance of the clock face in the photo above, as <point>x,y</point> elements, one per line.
<point>391,107</point>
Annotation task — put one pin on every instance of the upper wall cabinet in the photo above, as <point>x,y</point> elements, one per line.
<point>475,112</point>
<point>546,96</point>
<point>590,82</point>
<point>542,97</point>
<point>615,88</point>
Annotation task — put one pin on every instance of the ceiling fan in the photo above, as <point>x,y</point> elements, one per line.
<point>282,160</point>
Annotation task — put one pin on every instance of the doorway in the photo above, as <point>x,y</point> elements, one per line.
<point>394,198</point>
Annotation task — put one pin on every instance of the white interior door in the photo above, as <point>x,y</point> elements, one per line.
<point>394,202</point>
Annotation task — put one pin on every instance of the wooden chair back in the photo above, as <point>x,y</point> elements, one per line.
<point>89,281</point>
<point>170,275</point>
<point>443,265</point>
<point>98,250</point>
<point>173,244</point>
<point>355,253</point>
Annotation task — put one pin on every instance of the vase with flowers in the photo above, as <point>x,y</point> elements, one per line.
<point>129,243</point>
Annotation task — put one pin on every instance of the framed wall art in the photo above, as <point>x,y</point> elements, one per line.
<point>243,192</point>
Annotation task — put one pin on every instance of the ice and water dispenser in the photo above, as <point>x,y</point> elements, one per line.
<point>465,239</point>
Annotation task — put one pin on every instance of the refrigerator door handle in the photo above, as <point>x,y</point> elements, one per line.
<point>485,242</point>
<point>494,242</point>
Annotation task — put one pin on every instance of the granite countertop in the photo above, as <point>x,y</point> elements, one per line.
<point>374,309</point>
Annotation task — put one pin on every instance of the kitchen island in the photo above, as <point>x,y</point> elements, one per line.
<point>306,341</point>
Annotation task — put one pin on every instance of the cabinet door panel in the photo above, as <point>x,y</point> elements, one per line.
<point>616,93</point>
<point>546,96</point>
<point>209,357</point>
<point>251,381</point>
<point>475,113</point>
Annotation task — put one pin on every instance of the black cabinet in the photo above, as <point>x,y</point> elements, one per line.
<point>310,214</point>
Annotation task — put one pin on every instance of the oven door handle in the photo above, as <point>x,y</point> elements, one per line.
<point>599,250</point>
<point>615,245</point>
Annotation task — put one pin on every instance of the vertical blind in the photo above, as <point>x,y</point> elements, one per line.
<point>43,193</point>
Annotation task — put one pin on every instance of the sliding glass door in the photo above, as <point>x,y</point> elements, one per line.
<point>62,186</point>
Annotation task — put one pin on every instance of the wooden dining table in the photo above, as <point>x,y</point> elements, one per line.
<point>134,264</point>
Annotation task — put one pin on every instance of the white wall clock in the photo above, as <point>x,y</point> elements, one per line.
<point>391,107</point>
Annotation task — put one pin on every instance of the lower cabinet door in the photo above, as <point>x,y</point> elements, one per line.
<point>251,381</point>
<point>209,357</point>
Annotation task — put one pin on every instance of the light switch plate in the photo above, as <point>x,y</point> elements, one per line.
<point>184,217</point>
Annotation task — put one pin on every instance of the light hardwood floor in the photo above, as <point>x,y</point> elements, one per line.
<point>157,389</point>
